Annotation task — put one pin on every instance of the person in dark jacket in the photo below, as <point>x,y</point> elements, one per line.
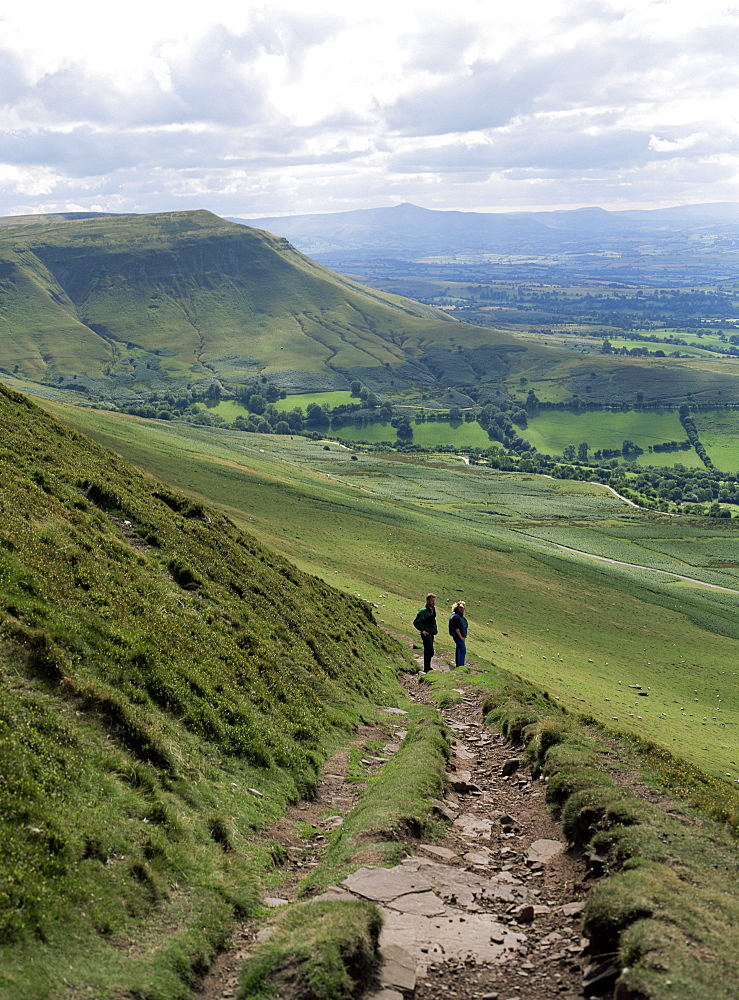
<point>425,622</point>
<point>458,632</point>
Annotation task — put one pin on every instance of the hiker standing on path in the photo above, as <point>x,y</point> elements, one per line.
<point>425,622</point>
<point>458,632</point>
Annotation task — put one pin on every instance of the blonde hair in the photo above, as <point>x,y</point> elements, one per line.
<point>459,606</point>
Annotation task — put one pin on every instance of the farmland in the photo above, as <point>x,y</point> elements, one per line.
<point>719,431</point>
<point>552,430</point>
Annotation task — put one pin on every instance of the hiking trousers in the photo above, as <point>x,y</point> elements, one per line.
<point>428,651</point>
<point>460,652</point>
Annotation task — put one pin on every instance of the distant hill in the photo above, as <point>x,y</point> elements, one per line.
<point>166,685</point>
<point>119,307</point>
<point>410,233</point>
<point>128,300</point>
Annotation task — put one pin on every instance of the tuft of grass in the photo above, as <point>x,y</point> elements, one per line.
<point>318,950</point>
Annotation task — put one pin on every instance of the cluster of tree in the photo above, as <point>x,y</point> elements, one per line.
<point>667,446</point>
<point>634,352</point>
<point>499,422</point>
<point>696,491</point>
<point>643,352</point>
<point>691,430</point>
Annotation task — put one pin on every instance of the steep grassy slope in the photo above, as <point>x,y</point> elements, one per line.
<point>166,685</point>
<point>196,294</point>
<point>119,305</point>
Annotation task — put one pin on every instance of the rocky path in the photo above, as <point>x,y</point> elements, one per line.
<point>492,912</point>
<point>508,894</point>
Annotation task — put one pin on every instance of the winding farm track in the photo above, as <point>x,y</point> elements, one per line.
<point>650,569</point>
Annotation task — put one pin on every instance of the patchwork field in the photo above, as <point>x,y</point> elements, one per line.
<point>528,554</point>
<point>551,431</point>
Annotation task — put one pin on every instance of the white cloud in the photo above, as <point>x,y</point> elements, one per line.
<point>252,108</point>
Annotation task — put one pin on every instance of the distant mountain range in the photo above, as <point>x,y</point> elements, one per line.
<point>692,236</point>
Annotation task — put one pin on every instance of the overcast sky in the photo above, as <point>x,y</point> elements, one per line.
<point>251,109</point>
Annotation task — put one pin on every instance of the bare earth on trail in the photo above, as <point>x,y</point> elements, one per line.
<point>491,912</point>
<point>528,883</point>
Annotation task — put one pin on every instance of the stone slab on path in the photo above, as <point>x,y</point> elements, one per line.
<point>544,850</point>
<point>430,911</point>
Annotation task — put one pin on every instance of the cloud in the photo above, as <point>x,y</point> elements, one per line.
<point>272,109</point>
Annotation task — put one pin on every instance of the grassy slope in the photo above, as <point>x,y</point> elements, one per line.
<point>166,685</point>
<point>391,529</point>
<point>198,297</point>
<point>194,285</point>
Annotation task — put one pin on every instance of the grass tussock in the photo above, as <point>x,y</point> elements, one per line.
<point>318,951</point>
<point>667,907</point>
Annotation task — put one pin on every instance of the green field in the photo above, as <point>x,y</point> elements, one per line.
<point>390,528</point>
<point>719,432</point>
<point>304,399</point>
<point>429,434</point>
<point>552,430</point>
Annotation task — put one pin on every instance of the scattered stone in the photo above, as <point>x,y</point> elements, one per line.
<point>443,810</point>
<point>439,852</point>
<point>544,850</point>
<point>525,913</point>
<point>274,901</point>
<point>255,791</point>
<point>506,820</point>
<point>571,909</point>
<point>398,968</point>
<point>462,783</point>
<point>332,822</point>
<point>510,766</point>
<point>395,711</point>
<point>479,859</point>
<point>426,904</point>
<point>385,884</point>
<point>385,995</point>
<point>473,827</point>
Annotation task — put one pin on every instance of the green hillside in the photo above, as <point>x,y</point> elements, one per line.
<point>118,307</point>
<point>565,584</point>
<point>166,686</point>
<point>145,299</point>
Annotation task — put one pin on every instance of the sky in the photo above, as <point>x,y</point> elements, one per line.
<point>301,106</point>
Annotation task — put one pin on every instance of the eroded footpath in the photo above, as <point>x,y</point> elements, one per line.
<point>491,911</point>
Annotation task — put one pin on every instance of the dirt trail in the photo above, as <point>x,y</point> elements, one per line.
<point>491,912</point>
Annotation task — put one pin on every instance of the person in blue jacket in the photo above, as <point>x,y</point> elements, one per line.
<point>458,632</point>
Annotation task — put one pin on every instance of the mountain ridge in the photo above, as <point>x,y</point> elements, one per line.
<point>409,232</point>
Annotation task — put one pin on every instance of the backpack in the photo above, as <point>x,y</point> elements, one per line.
<point>454,624</point>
